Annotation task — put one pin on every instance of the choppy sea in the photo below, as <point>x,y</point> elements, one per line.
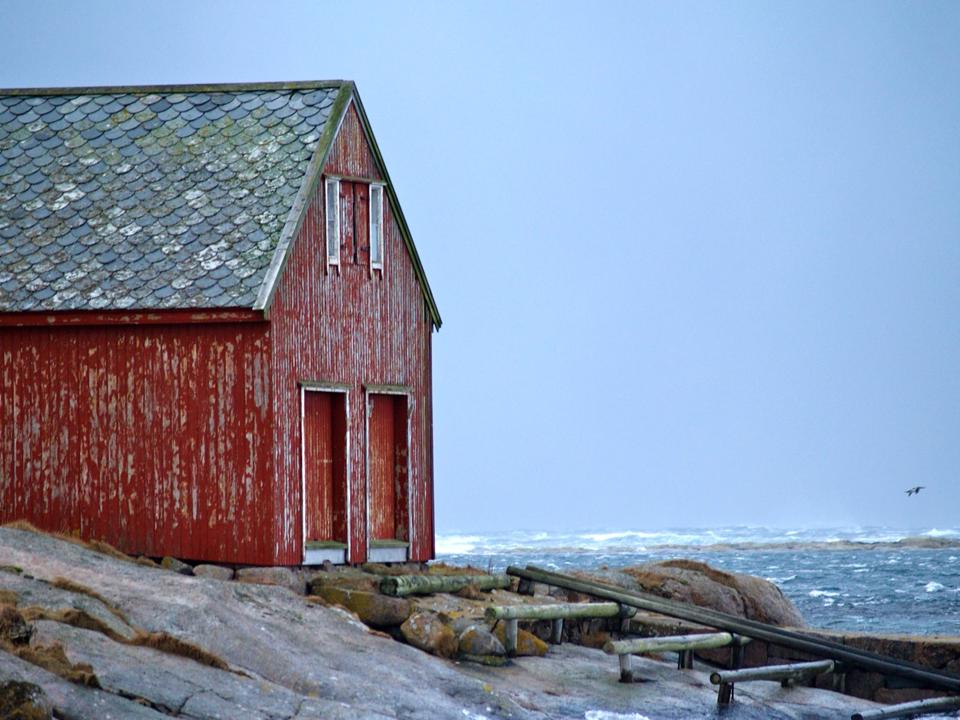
<point>870,579</point>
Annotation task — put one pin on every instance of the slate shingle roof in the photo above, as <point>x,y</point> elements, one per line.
<point>149,199</point>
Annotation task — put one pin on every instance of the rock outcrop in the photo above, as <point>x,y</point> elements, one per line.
<point>373,609</point>
<point>697,583</point>
<point>114,638</point>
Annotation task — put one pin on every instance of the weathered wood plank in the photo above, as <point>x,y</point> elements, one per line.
<point>401,585</point>
<point>557,611</point>
<point>673,643</point>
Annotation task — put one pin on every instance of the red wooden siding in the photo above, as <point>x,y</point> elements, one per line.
<point>325,478</point>
<point>153,438</point>
<point>348,326</point>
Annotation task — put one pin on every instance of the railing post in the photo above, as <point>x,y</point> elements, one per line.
<point>511,636</point>
<point>556,631</point>
<point>626,669</point>
<point>685,660</point>
<point>736,653</point>
<point>725,694</point>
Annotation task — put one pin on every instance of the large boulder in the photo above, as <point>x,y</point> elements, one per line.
<point>280,576</point>
<point>426,631</point>
<point>214,572</point>
<point>697,583</point>
<point>373,609</point>
<point>177,566</point>
<point>477,640</point>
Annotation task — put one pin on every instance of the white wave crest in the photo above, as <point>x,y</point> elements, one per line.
<point>607,715</point>
<point>823,593</point>
<point>933,586</point>
<point>940,533</point>
<point>457,544</point>
<point>607,537</point>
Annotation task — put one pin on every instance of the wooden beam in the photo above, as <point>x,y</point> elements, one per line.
<point>917,707</point>
<point>402,585</point>
<point>788,675</point>
<point>673,643</point>
<point>129,317</point>
<point>558,611</point>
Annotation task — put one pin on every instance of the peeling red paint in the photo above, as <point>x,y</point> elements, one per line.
<point>154,439</point>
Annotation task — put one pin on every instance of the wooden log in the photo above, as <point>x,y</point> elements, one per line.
<point>793,672</point>
<point>673,643</point>
<point>917,707</point>
<point>626,669</point>
<point>786,674</point>
<point>558,611</point>
<point>402,585</point>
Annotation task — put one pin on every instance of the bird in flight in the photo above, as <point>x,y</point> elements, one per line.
<point>914,490</point>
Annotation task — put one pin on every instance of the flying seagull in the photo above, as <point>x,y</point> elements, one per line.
<point>914,490</point>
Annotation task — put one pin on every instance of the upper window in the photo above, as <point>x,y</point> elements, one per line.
<point>376,226</point>
<point>332,190</point>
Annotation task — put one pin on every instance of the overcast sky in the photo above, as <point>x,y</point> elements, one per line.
<point>698,264</point>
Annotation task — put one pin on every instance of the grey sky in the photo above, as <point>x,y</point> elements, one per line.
<point>697,263</point>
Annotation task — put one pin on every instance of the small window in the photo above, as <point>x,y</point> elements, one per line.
<point>332,189</point>
<point>376,226</point>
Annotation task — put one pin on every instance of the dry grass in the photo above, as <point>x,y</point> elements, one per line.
<point>71,616</point>
<point>175,646</point>
<point>75,587</point>
<point>441,568</point>
<point>717,576</point>
<point>53,658</point>
<point>8,597</point>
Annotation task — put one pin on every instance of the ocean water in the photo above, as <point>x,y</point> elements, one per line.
<point>873,579</point>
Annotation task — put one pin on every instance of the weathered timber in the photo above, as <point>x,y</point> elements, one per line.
<point>510,634</point>
<point>793,672</point>
<point>402,585</point>
<point>558,611</point>
<point>917,707</point>
<point>750,628</point>
<point>674,643</point>
<point>556,631</point>
<point>786,674</point>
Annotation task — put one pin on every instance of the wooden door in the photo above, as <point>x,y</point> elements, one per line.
<point>387,438</point>
<point>325,475</point>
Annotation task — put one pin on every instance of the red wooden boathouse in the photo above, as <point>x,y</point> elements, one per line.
<point>215,330</point>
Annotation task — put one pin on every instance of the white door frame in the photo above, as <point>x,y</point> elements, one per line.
<point>388,554</point>
<point>319,556</point>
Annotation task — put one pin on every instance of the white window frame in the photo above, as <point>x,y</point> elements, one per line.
<point>376,264</point>
<point>331,188</point>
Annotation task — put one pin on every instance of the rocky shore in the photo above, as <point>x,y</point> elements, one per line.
<point>86,632</point>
